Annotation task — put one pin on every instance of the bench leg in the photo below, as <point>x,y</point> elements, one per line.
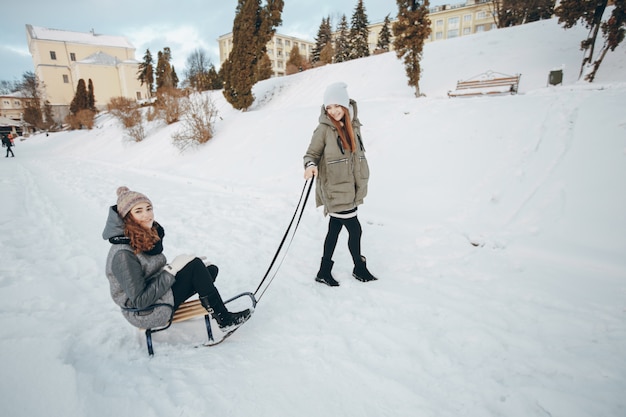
<point>149,342</point>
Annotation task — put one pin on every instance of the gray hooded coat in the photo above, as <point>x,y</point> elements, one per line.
<point>137,280</point>
<point>343,175</point>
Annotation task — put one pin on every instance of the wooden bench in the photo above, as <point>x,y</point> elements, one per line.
<point>186,311</point>
<point>487,83</point>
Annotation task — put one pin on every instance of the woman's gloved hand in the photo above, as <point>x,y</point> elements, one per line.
<point>178,263</point>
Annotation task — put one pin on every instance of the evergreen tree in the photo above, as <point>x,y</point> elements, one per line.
<point>590,13</point>
<point>215,79</point>
<point>384,36</point>
<point>164,74</point>
<point>253,28</point>
<point>264,69</point>
<point>359,33</point>
<point>324,37</point>
<point>91,98</point>
<point>81,98</point>
<point>146,73</point>
<point>342,45</point>
<point>48,121</point>
<point>519,12</point>
<point>296,61</point>
<point>410,31</point>
<point>174,78</point>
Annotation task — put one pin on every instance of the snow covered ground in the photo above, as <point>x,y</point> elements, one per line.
<point>496,226</point>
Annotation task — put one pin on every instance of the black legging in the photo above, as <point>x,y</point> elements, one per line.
<point>354,236</point>
<point>194,278</point>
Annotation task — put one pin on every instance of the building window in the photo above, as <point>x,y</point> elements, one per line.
<point>53,55</point>
<point>438,35</point>
<point>453,23</point>
<point>270,51</point>
<point>453,33</point>
<point>66,79</point>
<point>481,15</point>
<point>287,43</point>
<point>467,31</point>
<point>138,95</point>
<point>480,28</point>
<point>439,22</point>
<point>72,56</point>
<point>467,18</point>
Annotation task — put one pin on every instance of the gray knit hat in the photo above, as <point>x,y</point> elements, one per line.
<point>337,93</point>
<point>127,199</point>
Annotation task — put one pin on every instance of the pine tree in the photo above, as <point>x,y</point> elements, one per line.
<point>295,63</point>
<point>146,73</point>
<point>384,36</point>
<point>590,13</point>
<point>253,28</point>
<point>410,31</point>
<point>342,45</point>
<point>91,98</point>
<point>81,99</point>
<point>359,33</point>
<point>324,36</point>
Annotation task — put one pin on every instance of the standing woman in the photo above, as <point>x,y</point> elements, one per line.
<point>336,156</point>
<point>139,275</point>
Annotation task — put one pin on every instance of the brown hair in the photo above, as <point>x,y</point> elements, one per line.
<point>346,133</point>
<point>141,240</point>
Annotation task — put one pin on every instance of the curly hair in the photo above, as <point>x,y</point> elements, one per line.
<point>141,240</point>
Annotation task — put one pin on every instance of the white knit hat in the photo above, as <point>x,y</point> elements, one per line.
<point>337,93</point>
<point>127,199</point>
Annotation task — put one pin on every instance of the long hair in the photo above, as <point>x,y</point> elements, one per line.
<point>346,133</point>
<point>141,240</point>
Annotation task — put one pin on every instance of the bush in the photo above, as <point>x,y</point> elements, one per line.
<point>198,117</point>
<point>83,119</point>
<point>125,110</point>
<point>168,105</point>
<point>128,112</point>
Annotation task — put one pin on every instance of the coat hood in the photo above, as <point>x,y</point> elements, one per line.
<point>114,226</point>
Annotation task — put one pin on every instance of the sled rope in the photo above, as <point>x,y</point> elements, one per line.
<point>299,208</point>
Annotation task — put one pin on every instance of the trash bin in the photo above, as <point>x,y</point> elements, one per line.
<point>556,77</point>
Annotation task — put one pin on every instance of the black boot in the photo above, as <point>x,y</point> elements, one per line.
<point>225,319</point>
<point>324,275</point>
<point>360,271</point>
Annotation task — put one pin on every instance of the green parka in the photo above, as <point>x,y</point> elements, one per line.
<point>342,175</point>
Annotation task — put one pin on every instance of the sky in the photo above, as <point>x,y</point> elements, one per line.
<point>152,24</point>
<point>494,224</point>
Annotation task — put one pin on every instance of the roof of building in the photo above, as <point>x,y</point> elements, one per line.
<point>89,38</point>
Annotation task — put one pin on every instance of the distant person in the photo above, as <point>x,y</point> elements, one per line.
<point>139,275</point>
<point>6,141</point>
<point>336,156</point>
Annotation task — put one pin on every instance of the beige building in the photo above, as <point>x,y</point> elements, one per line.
<point>61,58</point>
<point>12,106</point>
<point>450,21</point>
<point>278,49</point>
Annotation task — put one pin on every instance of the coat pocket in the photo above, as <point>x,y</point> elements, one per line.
<point>364,168</point>
<point>339,171</point>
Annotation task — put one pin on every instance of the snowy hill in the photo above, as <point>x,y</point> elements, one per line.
<point>496,227</point>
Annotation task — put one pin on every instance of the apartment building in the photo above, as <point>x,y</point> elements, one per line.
<point>450,21</point>
<point>61,58</point>
<point>278,49</point>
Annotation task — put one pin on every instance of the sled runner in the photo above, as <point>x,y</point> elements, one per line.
<point>189,310</point>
